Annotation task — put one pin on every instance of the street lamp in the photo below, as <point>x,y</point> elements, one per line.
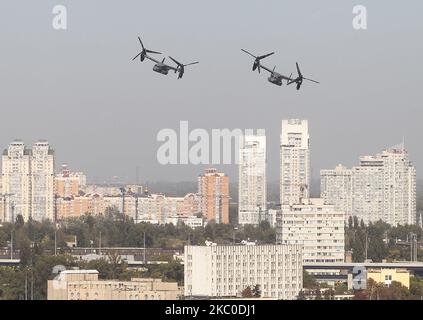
<point>123,191</point>
<point>235,229</point>
<point>12,229</point>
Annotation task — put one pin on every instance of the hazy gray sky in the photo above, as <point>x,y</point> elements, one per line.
<point>101,112</point>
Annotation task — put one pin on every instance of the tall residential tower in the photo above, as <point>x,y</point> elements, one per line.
<point>252,180</point>
<point>294,161</point>
<point>383,187</point>
<point>213,193</point>
<point>28,181</point>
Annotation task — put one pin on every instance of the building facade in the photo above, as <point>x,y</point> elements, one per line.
<point>318,227</point>
<point>68,183</point>
<point>153,208</point>
<point>225,271</point>
<point>191,221</point>
<point>213,194</point>
<point>336,188</point>
<point>85,285</point>
<point>383,187</point>
<point>28,181</point>
<point>252,184</point>
<point>294,161</point>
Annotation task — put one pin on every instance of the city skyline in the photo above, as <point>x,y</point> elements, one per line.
<point>368,97</point>
<point>233,174</point>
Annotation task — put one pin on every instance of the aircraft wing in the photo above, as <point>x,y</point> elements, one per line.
<point>280,75</point>
<point>265,68</point>
<point>171,68</point>
<point>152,59</point>
<point>287,78</point>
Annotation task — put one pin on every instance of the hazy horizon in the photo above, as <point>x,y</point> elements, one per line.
<point>101,112</point>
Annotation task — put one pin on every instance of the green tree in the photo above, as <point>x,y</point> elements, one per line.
<point>309,282</point>
<point>247,293</point>
<point>256,291</point>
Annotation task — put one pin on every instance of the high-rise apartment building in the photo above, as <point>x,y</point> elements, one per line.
<point>294,161</point>
<point>336,188</point>
<point>28,181</point>
<point>383,187</point>
<point>225,271</point>
<point>318,227</point>
<point>252,180</point>
<point>42,181</point>
<point>213,193</point>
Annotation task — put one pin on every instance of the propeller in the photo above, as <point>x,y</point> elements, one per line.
<point>299,80</point>
<point>256,64</point>
<point>144,51</point>
<point>181,67</point>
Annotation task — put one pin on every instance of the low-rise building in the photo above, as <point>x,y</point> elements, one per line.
<point>190,221</point>
<point>386,276</point>
<point>85,285</point>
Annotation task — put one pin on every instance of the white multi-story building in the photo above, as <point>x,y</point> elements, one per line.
<point>294,161</point>
<point>28,181</point>
<point>252,179</point>
<point>42,181</point>
<point>336,188</point>
<point>16,170</point>
<point>318,227</point>
<point>225,271</point>
<point>271,217</point>
<point>383,187</point>
<point>190,221</point>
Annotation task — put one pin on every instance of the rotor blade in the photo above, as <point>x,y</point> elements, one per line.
<point>151,51</point>
<point>298,69</point>
<point>311,80</point>
<point>137,56</point>
<point>178,63</point>
<point>189,64</point>
<point>248,53</point>
<point>142,45</point>
<point>265,56</point>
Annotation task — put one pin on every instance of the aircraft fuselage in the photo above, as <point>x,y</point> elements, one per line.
<point>275,79</point>
<point>161,68</point>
